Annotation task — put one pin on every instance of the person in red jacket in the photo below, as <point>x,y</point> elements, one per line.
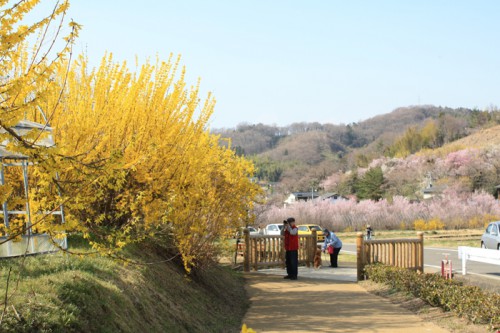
<point>291,234</point>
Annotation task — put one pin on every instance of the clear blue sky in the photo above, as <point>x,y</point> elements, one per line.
<point>284,61</point>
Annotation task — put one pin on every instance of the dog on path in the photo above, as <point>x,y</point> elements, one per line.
<point>317,258</point>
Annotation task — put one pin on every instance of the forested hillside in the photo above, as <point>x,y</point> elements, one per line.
<point>306,156</point>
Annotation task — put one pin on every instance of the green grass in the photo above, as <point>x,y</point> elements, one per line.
<point>66,293</point>
<point>345,257</point>
<point>435,238</point>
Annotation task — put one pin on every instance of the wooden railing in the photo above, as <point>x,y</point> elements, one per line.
<point>261,251</point>
<point>407,253</point>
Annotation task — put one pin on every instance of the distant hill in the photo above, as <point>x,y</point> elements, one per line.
<point>299,156</point>
<point>398,120</point>
<point>252,139</point>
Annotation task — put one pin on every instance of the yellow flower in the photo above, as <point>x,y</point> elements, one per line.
<point>245,329</point>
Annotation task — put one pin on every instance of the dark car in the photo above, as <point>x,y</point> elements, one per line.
<point>491,237</point>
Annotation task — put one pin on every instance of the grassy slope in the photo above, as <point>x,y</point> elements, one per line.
<point>487,137</point>
<point>61,293</point>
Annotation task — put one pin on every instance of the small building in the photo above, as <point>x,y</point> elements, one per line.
<point>333,197</point>
<point>432,191</point>
<point>301,196</point>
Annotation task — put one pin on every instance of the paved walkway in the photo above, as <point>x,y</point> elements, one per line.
<point>324,300</point>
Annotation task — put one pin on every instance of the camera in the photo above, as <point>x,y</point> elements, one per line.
<point>285,222</point>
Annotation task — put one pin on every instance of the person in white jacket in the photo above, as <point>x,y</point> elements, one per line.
<point>332,240</point>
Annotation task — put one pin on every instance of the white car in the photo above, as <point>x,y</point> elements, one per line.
<point>491,236</point>
<point>273,229</point>
<point>251,230</point>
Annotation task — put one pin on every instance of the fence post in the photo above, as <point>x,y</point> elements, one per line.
<point>420,235</point>
<point>314,245</point>
<point>255,253</point>
<point>359,255</point>
<point>246,262</point>
<point>393,254</point>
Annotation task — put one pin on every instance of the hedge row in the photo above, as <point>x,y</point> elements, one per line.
<point>469,302</point>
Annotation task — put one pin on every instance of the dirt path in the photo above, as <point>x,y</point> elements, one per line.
<point>321,305</point>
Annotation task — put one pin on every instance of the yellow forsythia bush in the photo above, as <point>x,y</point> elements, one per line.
<point>435,224</point>
<point>481,221</point>
<point>432,224</point>
<point>152,167</point>
<point>419,224</point>
<point>133,158</point>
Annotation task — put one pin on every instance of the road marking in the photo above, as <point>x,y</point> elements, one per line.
<point>439,249</point>
<point>486,276</point>
<point>468,273</point>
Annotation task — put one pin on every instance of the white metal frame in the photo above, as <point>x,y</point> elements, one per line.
<point>29,243</point>
<point>477,254</point>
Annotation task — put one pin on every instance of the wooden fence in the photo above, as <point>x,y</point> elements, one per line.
<point>408,253</point>
<point>263,251</point>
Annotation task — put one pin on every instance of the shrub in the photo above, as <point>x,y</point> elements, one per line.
<point>435,224</point>
<point>419,224</point>
<point>432,224</point>
<point>468,302</point>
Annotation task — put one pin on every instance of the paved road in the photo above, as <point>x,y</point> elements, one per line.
<point>433,257</point>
